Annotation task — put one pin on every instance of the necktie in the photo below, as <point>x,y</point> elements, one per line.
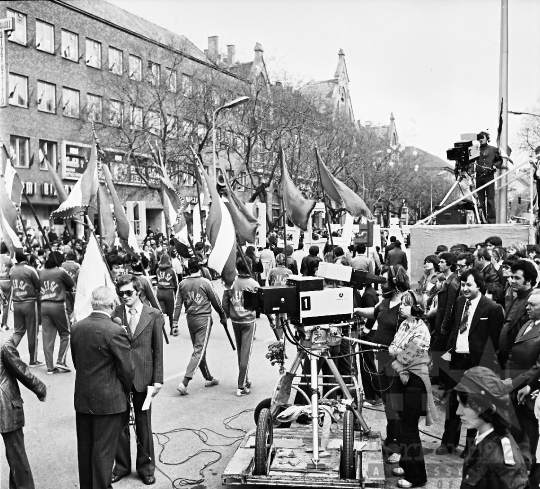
<point>464,318</point>
<point>133,320</point>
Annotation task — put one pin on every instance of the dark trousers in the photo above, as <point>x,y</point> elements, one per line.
<point>438,348</point>
<point>97,439</point>
<point>199,331</point>
<point>165,298</point>
<point>452,424</point>
<point>243,334</point>
<point>20,474</point>
<point>413,397</point>
<point>387,382</point>
<point>526,434</point>
<point>5,286</point>
<point>486,198</point>
<point>145,442</point>
<point>368,371</point>
<point>25,318</point>
<point>54,319</point>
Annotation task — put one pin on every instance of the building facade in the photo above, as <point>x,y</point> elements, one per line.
<point>77,63</point>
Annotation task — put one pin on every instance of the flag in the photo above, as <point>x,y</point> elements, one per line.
<point>60,190</point>
<point>298,208</point>
<point>123,227</point>
<point>340,193</point>
<point>245,223</point>
<point>181,248</point>
<point>8,220</point>
<point>14,185</point>
<point>106,218</point>
<point>83,192</point>
<point>93,273</point>
<point>220,231</point>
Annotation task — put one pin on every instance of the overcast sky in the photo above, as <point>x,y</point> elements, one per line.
<point>433,63</point>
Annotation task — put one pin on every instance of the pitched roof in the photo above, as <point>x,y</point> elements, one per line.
<point>320,89</point>
<point>130,22</point>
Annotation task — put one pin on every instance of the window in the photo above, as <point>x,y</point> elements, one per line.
<point>242,181</point>
<point>44,36</point>
<point>187,85</point>
<point>116,113</point>
<point>18,90</point>
<point>49,150</point>
<point>93,53</point>
<point>46,93</point>
<point>171,80</point>
<point>188,180</point>
<point>135,67</point>
<point>154,122</point>
<point>70,100</point>
<point>95,108</point>
<point>115,61</point>
<point>136,117</point>
<point>21,148</point>
<point>19,34</point>
<point>172,126</point>
<point>154,73</point>
<point>70,45</point>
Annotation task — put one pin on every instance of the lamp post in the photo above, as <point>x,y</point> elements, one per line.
<point>228,105</point>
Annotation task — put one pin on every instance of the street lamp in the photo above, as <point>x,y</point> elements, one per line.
<point>228,105</point>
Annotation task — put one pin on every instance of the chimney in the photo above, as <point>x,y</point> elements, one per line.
<point>231,54</point>
<point>213,48</point>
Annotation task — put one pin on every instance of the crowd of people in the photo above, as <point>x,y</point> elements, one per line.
<point>470,328</point>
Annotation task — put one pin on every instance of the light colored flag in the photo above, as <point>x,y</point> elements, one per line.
<point>93,274</point>
<point>340,193</point>
<point>106,217</point>
<point>83,191</point>
<point>298,208</point>
<point>123,227</point>
<point>60,190</point>
<point>8,221</point>
<point>220,230</point>
<point>14,185</point>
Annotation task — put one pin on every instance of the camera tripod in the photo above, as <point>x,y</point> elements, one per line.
<point>463,175</point>
<point>313,346</point>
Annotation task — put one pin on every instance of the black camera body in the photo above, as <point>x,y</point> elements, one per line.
<point>464,153</point>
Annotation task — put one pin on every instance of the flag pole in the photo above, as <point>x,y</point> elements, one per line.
<point>25,232</point>
<point>325,205</point>
<point>283,207</point>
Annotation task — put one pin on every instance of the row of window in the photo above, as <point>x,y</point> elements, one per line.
<point>69,49</point>
<point>20,152</point>
<point>71,107</point>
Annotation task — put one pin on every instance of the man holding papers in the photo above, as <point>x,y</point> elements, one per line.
<point>144,327</point>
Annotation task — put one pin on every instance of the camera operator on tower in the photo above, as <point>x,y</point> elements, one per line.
<point>488,163</point>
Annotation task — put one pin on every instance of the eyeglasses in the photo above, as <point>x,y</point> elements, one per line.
<point>505,267</point>
<point>127,293</point>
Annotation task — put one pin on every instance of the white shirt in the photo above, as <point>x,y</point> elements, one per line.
<point>529,327</point>
<point>462,343</point>
<point>103,312</point>
<point>478,437</point>
<point>138,308</point>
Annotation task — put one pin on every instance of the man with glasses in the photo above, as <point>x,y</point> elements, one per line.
<point>144,326</point>
<point>465,261</point>
<point>522,281</point>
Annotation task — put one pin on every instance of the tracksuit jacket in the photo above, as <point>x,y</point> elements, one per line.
<point>233,300</point>
<point>197,294</point>
<point>24,282</point>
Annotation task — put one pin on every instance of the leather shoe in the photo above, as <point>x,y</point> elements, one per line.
<point>148,479</point>
<point>442,450</point>
<point>116,478</point>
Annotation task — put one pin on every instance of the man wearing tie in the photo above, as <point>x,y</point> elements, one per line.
<point>473,342</point>
<point>521,377</point>
<point>144,327</point>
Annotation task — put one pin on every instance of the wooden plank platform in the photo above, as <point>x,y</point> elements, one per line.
<point>292,471</point>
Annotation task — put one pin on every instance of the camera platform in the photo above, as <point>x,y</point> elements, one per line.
<point>282,452</point>
<point>298,439</point>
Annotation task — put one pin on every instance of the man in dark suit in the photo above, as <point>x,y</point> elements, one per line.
<point>397,256</point>
<point>473,342</point>
<point>390,247</point>
<point>494,288</point>
<point>522,280</point>
<point>521,376</point>
<point>144,326</point>
<point>444,320</point>
<point>102,358</point>
<point>13,369</point>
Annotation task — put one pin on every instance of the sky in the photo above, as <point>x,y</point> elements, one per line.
<point>434,64</point>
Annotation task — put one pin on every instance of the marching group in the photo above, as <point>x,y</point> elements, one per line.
<point>471,327</point>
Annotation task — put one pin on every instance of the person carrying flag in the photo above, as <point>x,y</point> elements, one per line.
<point>198,296</point>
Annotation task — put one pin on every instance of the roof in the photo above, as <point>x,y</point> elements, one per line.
<point>112,14</point>
<point>320,89</point>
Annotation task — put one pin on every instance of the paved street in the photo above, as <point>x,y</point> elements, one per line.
<point>50,426</point>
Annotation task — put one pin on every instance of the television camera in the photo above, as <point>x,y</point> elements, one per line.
<point>463,153</point>
<point>322,318</point>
